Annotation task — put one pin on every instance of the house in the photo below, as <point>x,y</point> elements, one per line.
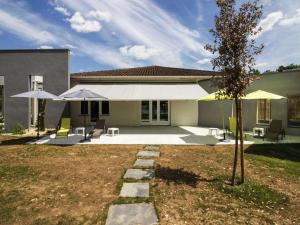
<point>152,95</point>
<point>259,113</point>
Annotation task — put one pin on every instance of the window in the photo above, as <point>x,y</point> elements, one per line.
<point>84,108</point>
<point>105,108</point>
<point>263,111</point>
<point>145,111</point>
<point>94,111</point>
<point>294,111</point>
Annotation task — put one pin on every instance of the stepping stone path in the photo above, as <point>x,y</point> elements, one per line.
<point>148,154</point>
<point>144,163</point>
<point>136,213</point>
<point>132,214</point>
<point>135,190</point>
<point>139,174</point>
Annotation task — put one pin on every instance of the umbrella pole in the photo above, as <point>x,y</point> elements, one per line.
<point>223,121</point>
<point>38,120</point>
<point>85,122</point>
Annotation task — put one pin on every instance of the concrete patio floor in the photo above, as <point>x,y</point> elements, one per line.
<point>183,135</point>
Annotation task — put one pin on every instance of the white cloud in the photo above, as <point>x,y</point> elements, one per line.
<point>32,27</point>
<point>46,47</point>
<point>268,23</point>
<point>146,23</point>
<point>293,20</point>
<point>261,65</point>
<point>24,29</point>
<point>139,52</point>
<point>80,24</point>
<point>100,15</point>
<point>62,10</point>
<point>204,61</point>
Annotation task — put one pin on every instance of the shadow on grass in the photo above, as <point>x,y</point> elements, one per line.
<point>15,140</point>
<point>178,176</point>
<point>281,151</point>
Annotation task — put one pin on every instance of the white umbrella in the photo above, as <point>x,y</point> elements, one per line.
<point>36,94</point>
<point>82,95</point>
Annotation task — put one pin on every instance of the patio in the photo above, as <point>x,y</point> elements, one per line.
<point>183,135</point>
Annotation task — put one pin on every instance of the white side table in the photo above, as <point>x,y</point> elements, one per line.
<point>113,131</point>
<point>258,132</point>
<point>80,130</point>
<point>211,130</point>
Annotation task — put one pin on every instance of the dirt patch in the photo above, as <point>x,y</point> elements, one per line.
<point>189,189</point>
<point>44,184</point>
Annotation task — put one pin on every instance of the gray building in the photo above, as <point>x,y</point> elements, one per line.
<point>24,70</point>
<point>258,113</point>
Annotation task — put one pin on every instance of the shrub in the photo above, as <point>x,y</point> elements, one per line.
<point>18,129</point>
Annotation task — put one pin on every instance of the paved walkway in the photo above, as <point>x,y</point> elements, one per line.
<point>136,187</point>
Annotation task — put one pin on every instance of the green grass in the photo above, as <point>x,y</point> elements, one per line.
<point>12,173</point>
<point>284,158</point>
<point>252,192</point>
<point>287,167</point>
<point>8,204</point>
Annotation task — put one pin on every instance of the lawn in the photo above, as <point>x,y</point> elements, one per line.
<point>42,184</point>
<point>191,187</point>
<point>61,185</point>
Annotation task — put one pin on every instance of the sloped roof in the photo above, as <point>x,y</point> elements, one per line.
<point>147,71</point>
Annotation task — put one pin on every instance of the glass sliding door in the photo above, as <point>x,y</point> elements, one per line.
<point>164,111</point>
<point>155,112</point>
<point>145,111</point>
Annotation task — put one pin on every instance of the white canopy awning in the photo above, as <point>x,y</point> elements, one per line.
<point>136,91</point>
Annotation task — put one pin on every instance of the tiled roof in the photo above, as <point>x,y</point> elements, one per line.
<point>146,71</point>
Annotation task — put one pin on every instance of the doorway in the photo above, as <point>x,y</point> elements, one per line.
<point>94,109</point>
<point>155,112</point>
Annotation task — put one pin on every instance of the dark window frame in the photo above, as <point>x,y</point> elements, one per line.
<point>84,108</point>
<point>105,111</point>
<point>260,121</point>
<point>292,123</point>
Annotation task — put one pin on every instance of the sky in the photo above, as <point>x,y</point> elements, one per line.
<point>111,34</point>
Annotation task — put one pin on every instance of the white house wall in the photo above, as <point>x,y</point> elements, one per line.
<point>184,113</point>
<point>128,113</point>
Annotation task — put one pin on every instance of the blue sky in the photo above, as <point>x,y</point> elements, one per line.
<point>105,34</point>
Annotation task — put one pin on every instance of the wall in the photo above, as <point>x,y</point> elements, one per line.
<point>126,113</point>
<point>285,84</point>
<point>184,112</point>
<point>17,65</point>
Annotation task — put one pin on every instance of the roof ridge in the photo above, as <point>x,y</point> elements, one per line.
<point>141,67</point>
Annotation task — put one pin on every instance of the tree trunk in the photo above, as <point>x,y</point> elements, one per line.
<point>236,142</point>
<point>241,141</point>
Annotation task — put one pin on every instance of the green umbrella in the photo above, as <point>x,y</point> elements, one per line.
<point>259,94</point>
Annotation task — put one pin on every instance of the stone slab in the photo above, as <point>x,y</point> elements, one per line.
<point>139,174</point>
<point>151,148</point>
<point>133,190</point>
<point>132,214</point>
<point>148,154</point>
<point>144,163</point>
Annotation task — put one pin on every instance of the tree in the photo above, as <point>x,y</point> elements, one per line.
<point>289,67</point>
<point>235,46</point>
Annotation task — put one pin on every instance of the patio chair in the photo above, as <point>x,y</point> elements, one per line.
<point>232,125</point>
<point>99,128</point>
<point>65,127</point>
<point>275,130</point>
